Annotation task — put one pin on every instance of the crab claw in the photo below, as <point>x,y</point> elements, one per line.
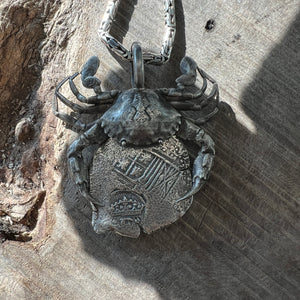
<point>202,165</point>
<point>80,178</point>
<point>78,170</point>
<point>188,68</point>
<point>197,185</point>
<point>204,160</point>
<point>87,74</point>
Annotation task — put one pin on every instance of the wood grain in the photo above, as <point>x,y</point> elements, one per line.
<point>240,238</point>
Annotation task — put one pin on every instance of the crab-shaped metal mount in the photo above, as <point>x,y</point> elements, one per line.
<point>147,127</point>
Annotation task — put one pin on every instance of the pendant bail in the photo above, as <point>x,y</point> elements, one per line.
<point>137,79</point>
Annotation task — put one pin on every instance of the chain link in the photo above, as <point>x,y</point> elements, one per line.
<point>148,57</point>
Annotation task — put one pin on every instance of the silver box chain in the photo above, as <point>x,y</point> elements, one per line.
<point>148,57</point>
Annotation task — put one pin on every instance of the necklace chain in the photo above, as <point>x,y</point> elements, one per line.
<point>148,57</point>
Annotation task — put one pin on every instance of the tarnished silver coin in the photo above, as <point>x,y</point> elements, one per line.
<point>139,186</point>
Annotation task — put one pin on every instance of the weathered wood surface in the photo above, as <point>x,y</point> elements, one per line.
<point>240,239</point>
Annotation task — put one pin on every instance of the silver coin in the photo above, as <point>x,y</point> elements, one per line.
<point>139,186</point>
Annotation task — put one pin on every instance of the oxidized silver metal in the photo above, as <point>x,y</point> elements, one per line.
<point>140,176</point>
<point>149,57</point>
<point>140,186</point>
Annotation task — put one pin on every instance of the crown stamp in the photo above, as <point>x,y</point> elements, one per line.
<point>127,204</point>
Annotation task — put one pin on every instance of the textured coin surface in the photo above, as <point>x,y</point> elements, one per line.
<point>140,186</point>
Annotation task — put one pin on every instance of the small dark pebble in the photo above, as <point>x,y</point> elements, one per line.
<point>210,24</point>
<point>237,36</point>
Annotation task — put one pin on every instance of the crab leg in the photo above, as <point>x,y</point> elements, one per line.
<point>101,98</point>
<point>76,107</point>
<point>204,160</point>
<point>189,67</point>
<point>79,172</point>
<point>92,82</point>
<point>74,123</point>
<point>174,94</point>
<point>187,105</point>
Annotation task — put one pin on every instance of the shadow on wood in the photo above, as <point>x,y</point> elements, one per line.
<point>239,239</point>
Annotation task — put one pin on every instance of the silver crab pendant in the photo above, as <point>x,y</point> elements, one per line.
<point>140,177</point>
